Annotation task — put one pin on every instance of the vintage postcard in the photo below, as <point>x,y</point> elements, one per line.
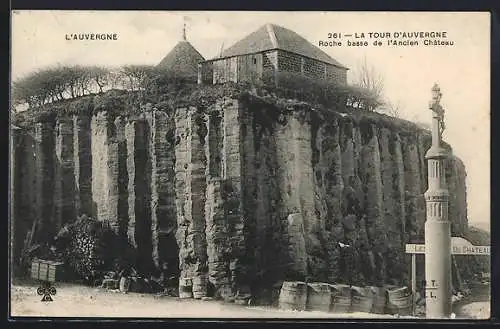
<point>206,164</point>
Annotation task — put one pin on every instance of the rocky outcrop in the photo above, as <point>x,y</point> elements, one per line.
<point>133,138</point>
<point>415,214</point>
<point>191,192</point>
<point>101,186</point>
<point>295,182</point>
<point>139,193</point>
<point>215,219</point>
<point>163,212</point>
<point>44,186</point>
<point>329,184</point>
<point>240,194</point>
<point>82,154</point>
<point>23,193</point>
<point>64,181</point>
<point>456,175</point>
<point>270,234</point>
<point>122,176</point>
<point>373,206</point>
<point>232,161</point>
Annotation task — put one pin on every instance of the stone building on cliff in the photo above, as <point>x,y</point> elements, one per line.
<point>269,50</point>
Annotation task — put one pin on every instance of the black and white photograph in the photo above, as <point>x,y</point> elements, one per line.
<point>249,165</point>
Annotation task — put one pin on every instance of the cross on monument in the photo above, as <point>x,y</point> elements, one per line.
<point>435,106</point>
<point>184,26</point>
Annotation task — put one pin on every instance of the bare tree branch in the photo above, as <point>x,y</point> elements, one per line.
<point>393,109</point>
<point>369,80</point>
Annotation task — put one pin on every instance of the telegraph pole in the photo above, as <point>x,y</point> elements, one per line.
<point>437,225</point>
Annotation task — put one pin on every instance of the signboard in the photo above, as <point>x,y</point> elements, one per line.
<point>459,246</point>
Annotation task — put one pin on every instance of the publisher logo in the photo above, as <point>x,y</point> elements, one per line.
<point>47,291</point>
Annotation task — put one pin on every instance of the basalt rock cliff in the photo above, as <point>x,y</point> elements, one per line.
<point>241,191</point>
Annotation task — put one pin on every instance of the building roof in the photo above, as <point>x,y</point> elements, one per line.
<point>182,59</point>
<point>271,36</point>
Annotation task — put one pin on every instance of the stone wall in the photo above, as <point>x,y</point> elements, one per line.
<point>270,61</point>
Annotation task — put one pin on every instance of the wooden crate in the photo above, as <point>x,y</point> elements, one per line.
<point>46,270</point>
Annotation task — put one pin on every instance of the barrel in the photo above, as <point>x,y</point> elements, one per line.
<point>318,297</point>
<point>200,285</point>
<point>124,284</point>
<point>379,300</point>
<point>293,296</point>
<point>341,298</point>
<point>362,299</point>
<point>399,301</point>
<point>185,288</point>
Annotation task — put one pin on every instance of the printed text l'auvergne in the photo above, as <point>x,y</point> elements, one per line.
<point>91,36</point>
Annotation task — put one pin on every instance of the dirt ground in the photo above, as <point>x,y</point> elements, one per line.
<point>478,305</point>
<point>82,301</point>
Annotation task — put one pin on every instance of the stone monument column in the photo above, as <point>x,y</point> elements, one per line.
<point>437,225</point>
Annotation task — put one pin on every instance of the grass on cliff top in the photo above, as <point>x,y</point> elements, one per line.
<point>132,104</point>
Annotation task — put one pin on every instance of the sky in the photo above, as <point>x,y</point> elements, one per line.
<point>409,72</point>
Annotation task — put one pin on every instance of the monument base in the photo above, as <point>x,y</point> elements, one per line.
<point>438,290</point>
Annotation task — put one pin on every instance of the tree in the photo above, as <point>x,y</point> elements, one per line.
<point>368,78</point>
<point>392,109</point>
<point>100,76</point>
<point>135,77</point>
<point>370,84</point>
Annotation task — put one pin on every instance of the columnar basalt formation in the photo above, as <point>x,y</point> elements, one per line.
<point>132,138</point>
<point>122,176</point>
<point>64,191</point>
<point>232,189</point>
<point>248,194</point>
<point>109,176</point>
<point>163,212</point>
<point>329,187</point>
<point>293,139</point>
<point>139,192</point>
<point>215,220</point>
<point>100,157</point>
<point>241,192</point>
<point>270,258</point>
<point>391,219</point>
<point>45,167</point>
<point>372,182</point>
<point>456,176</point>
<point>191,192</point>
<point>23,196</point>
<point>398,236</point>
<point>82,154</point>
<point>415,217</point>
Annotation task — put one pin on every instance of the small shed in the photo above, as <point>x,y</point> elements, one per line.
<point>268,50</point>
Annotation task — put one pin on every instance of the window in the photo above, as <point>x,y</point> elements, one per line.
<point>255,60</point>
